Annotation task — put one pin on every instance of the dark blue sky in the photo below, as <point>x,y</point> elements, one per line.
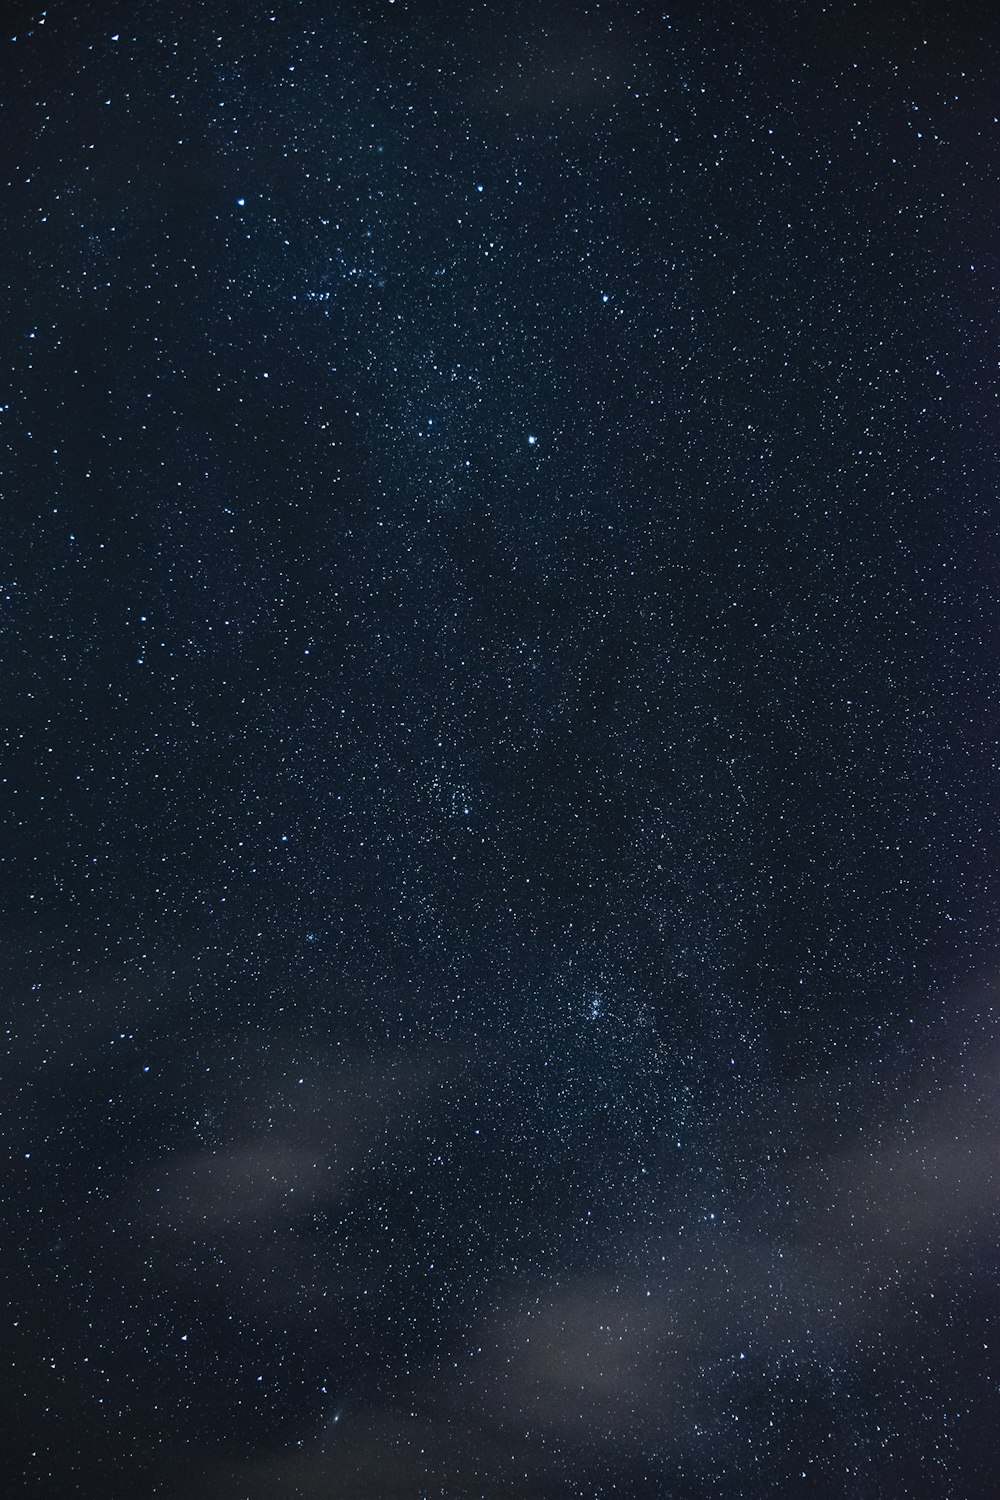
<point>500,641</point>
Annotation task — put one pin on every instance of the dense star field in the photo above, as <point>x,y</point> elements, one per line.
<point>500,658</point>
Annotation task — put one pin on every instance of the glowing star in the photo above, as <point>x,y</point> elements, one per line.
<point>532,440</point>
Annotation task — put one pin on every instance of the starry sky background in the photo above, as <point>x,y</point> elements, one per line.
<point>500,781</point>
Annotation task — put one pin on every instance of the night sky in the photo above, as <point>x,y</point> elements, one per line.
<point>500,651</point>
